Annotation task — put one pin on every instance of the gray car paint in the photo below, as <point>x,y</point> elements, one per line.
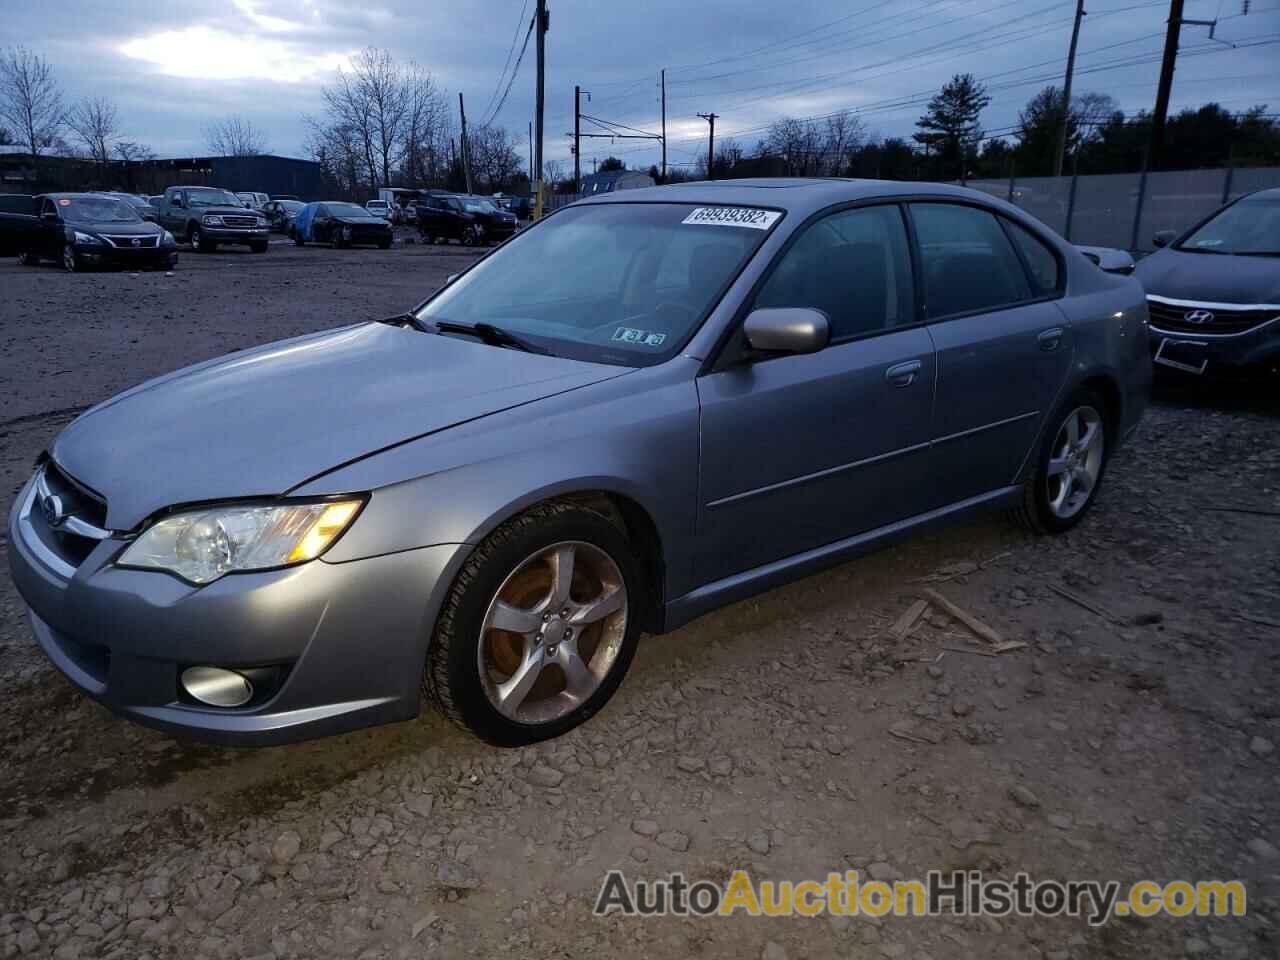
<point>748,476</point>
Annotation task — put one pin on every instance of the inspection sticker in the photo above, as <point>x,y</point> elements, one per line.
<point>643,337</point>
<point>733,217</point>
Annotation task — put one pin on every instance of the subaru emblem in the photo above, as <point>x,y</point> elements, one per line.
<point>53,510</point>
<point>1198,316</point>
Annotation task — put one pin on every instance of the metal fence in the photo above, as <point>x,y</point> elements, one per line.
<point>1126,209</point>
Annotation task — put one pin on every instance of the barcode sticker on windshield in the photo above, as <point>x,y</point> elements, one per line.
<point>733,217</point>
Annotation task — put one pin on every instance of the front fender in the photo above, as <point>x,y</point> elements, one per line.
<point>635,436</point>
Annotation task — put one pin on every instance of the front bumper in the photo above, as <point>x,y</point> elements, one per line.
<point>102,255</point>
<point>1223,353</point>
<point>346,642</point>
<point>249,235</point>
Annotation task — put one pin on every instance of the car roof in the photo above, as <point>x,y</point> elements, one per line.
<point>1272,193</point>
<point>800,195</point>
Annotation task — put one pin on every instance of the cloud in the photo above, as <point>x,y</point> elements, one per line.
<point>207,53</point>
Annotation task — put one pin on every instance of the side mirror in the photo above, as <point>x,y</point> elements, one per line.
<point>450,278</point>
<point>787,330</point>
<point>1164,237</point>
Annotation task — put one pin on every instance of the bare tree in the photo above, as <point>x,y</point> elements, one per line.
<point>130,151</point>
<point>372,100</point>
<point>235,137</point>
<point>30,101</point>
<point>844,134</point>
<point>426,130</point>
<point>797,144</point>
<point>494,157</point>
<point>93,121</point>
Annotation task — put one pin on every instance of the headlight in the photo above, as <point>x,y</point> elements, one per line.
<point>167,239</point>
<point>211,220</point>
<point>78,237</point>
<point>346,231</point>
<point>202,545</point>
<point>262,221</point>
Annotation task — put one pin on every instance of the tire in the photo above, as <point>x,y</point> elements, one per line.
<point>514,557</point>
<point>384,244</point>
<point>28,259</point>
<point>259,247</point>
<point>70,262</point>
<point>198,242</point>
<point>297,239</point>
<point>1045,507</point>
<point>472,237</point>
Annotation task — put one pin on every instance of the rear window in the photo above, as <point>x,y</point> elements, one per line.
<point>969,264</point>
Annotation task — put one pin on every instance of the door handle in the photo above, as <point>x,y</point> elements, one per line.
<point>903,374</point>
<point>1050,339</point>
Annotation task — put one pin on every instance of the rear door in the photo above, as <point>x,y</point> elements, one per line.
<point>1004,348</point>
<point>51,231</point>
<point>802,451</point>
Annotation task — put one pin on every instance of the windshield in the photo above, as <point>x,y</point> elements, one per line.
<point>472,205</point>
<point>346,210</point>
<point>97,210</point>
<point>1247,227</point>
<point>623,283</point>
<point>212,198</point>
<point>290,206</point>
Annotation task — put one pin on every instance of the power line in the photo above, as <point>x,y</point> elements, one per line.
<point>514,73</point>
<point>510,51</point>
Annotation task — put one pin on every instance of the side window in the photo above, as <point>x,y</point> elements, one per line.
<point>854,266</point>
<point>47,207</point>
<point>1040,259</point>
<point>968,262</point>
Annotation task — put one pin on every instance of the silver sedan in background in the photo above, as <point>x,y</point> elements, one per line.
<point>644,407</point>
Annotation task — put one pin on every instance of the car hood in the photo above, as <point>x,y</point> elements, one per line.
<point>362,221</point>
<point>1210,278</point>
<point>144,228</point>
<point>261,422</point>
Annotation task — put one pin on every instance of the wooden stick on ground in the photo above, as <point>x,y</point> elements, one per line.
<point>908,620</point>
<point>1086,604</point>
<point>965,617</point>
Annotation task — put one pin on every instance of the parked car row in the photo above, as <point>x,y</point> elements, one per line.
<point>339,224</point>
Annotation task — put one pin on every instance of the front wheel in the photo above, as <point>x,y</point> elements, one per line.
<point>259,248</point>
<point>70,262</point>
<point>539,626</point>
<point>472,236</point>
<point>1069,467</point>
<point>199,242</point>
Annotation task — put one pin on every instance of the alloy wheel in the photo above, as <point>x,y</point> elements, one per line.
<point>1075,461</point>
<point>552,632</point>
<point>69,261</point>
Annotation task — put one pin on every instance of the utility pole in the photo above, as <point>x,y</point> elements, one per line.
<point>664,125</point>
<point>466,147</point>
<point>531,153</point>
<point>540,27</point>
<point>1066,92</point>
<point>1166,82</point>
<point>1161,115</point>
<point>711,144</point>
<point>577,138</point>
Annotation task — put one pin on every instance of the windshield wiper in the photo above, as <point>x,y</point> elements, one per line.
<point>495,336</point>
<point>1258,253</point>
<point>401,319</point>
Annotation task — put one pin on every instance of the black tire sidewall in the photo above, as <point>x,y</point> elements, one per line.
<point>1045,517</point>
<point>465,610</point>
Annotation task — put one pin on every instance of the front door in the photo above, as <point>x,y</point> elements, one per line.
<point>1004,347</point>
<point>802,451</point>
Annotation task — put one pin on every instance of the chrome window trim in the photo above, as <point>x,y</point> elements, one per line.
<point>1210,305</point>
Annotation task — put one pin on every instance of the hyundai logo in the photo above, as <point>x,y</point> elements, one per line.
<point>1198,316</point>
<point>53,510</point>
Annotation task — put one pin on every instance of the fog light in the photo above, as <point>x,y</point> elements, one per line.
<point>217,687</point>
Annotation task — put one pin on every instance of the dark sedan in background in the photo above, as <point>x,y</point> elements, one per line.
<point>280,213</point>
<point>340,224</point>
<point>1214,292</point>
<point>82,230</point>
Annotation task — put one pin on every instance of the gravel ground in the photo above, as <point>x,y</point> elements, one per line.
<point>792,735</point>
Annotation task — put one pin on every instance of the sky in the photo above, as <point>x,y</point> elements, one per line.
<point>175,67</point>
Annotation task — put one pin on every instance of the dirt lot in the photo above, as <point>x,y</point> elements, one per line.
<point>792,735</point>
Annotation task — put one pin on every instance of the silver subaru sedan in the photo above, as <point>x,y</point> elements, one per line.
<point>644,407</point>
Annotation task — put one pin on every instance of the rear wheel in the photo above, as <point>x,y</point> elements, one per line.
<point>28,259</point>
<point>472,235</point>
<point>259,248</point>
<point>1070,465</point>
<point>539,627</point>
